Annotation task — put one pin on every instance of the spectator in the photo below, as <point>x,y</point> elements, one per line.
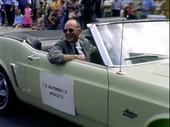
<point>71,12</point>
<point>34,9</point>
<point>44,9</point>
<point>130,11</point>
<point>40,22</point>
<point>146,7</point>
<point>53,13</point>
<point>98,8</point>
<point>22,5</point>
<point>16,4</point>
<point>158,5</point>
<point>41,8</point>
<point>126,5</point>
<point>107,8</point>
<point>116,8</point>
<point>28,16</point>
<point>74,10</point>
<point>88,10</point>
<point>56,5</point>
<point>165,8</point>
<point>18,20</point>
<point>54,20</point>
<point>1,3</point>
<point>9,11</point>
<point>63,9</point>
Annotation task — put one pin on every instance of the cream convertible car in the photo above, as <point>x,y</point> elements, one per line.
<point>125,85</point>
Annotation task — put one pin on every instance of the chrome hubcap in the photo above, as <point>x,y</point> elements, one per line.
<point>3,91</point>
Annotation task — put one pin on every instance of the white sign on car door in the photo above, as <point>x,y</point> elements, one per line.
<point>57,92</point>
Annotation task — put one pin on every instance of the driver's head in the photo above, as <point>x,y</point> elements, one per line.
<point>72,30</point>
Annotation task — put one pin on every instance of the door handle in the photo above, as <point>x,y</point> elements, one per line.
<point>33,57</point>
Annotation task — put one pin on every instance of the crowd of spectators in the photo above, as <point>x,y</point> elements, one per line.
<point>136,9</point>
<point>53,14</point>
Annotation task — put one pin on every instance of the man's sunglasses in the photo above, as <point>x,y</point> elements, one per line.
<point>70,30</point>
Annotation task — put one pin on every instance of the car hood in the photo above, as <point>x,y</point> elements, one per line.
<point>161,69</point>
<point>155,72</point>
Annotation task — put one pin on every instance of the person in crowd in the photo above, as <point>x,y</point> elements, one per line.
<point>63,14</point>
<point>2,13</point>
<point>39,25</point>
<point>74,10</point>
<point>54,20</point>
<point>55,5</point>
<point>71,12</point>
<point>72,46</point>
<point>16,4</point>
<point>116,8</point>
<point>127,6</point>
<point>18,20</point>
<point>107,9</point>
<point>28,16</point>
<point>0,10</point>
<point>33,6</point>
<point>98,8</point>
<point>145,8</point>
<point>131,11</point>
<point>9,11</point>
<point>44,9</point>
<point>22,5</point>
<point>88,11</point>
<point>46,4</point>
<point>165,8</point>
<point>41,8</point>
<point>158,5</point>
<point>53,14</point>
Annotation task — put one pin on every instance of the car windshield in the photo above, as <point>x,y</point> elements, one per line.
<point>140,41</point>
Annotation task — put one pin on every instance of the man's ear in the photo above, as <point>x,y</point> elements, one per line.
<point>79,30</point>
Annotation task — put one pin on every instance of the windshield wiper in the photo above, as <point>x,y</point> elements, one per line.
<point>159,56</point>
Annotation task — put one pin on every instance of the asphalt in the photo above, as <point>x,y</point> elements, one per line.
<point>4,29</point>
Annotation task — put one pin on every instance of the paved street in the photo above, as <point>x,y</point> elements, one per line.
<point>28,116</point>
<point>4,29</point>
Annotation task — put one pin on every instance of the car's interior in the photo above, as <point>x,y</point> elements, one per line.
<point>45,40</point>
<point>36,38</point>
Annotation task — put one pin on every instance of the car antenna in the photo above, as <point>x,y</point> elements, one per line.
<point>121,48</point>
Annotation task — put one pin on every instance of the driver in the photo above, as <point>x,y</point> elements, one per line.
<point>72,46</point>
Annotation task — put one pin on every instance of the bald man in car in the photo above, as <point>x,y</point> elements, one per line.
<point>72,46</point>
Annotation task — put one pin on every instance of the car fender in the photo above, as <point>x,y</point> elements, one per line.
<point>162,120</point>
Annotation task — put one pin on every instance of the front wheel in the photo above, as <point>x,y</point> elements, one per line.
<point>7,95</point>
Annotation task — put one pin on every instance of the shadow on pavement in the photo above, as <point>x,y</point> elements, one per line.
<point>25,115</point>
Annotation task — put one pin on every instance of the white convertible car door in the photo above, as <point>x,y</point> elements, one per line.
<point>76,90</point>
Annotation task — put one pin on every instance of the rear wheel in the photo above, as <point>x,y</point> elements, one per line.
<point>7,95</point>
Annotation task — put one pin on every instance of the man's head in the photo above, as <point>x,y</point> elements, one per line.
<point>72,30</point>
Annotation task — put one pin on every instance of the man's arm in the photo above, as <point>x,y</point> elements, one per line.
<point>71,57</point>
<point>56,55</point>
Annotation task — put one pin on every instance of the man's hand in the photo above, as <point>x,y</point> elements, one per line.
<point>81,58</point>
<point>72,57</point>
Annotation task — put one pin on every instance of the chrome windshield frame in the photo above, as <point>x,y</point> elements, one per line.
<point>100,44</point>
